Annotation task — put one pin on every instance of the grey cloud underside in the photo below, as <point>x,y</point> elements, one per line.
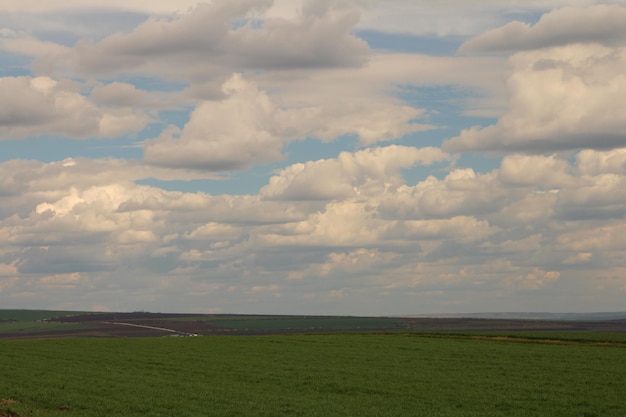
<point>20,105</point>
<point>602,24</point>
<point>54,260</point>
<point>208,36</point>
<point>574,213</point>
<point>539,145</point>
<point>203,160</point>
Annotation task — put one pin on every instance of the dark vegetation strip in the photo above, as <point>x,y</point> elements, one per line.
<point>588,339</point>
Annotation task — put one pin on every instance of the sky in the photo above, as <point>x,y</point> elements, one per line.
<point>329,157</point>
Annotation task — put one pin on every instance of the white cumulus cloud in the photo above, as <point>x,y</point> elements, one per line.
<point>560,98</point>
<point>34,106</point>
<point>248,128</point>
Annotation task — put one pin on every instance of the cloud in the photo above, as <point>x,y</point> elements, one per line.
<point>602,24</point>
<point>160,6</point>
<point>242,130</point>
<point>247,128</point>
<point>462,18</point>
<point>378,13</point>
<point>7,270</point>
<point>339,224</point>
<point>373,89</point>
<point>81,224</point>
<point>460,228</point>
<point>596,239</point>
<point>534,170</point>
<point>457,18</point>
<point>367,172</point>
<point>70,280</point>
<point>30,175</point>
<point>34,106</point>
<point>368,203</point>
<point>591,162</point>
<point>596,197</point>
<point>231,34</point>
<point>352,233</point>
<point>461,192</point>
<point>560,98</point>
<point>117,94</point>
<point>28,45</point>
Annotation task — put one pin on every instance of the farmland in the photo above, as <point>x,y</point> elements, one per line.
<point>349,367</point>
<point>373,374</point>
<point>29,324</point>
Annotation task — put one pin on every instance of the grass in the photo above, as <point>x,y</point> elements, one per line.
<point>310,375</point>
<point>304,322</point>
<point>34,327</point>
<point>30,321</point>
<point>32,315</point>
<point>580,337</point>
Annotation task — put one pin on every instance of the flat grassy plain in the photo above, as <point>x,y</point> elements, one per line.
<point>31,321</point>
<point>304,323</point>
<point>32,315</point>
<point>352,374</point>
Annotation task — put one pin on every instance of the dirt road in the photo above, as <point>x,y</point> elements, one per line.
<point>150,327</point>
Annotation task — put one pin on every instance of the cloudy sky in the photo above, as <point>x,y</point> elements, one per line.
<point>313,157</point>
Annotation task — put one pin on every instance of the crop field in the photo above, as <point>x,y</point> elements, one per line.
<point>32,315</point>
<point>336,374</point>
<point>306,323</point>
<point>28,324</point>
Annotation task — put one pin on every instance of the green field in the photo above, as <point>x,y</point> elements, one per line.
<point>310,375</point>
<point>30,321</point>
<point>551,336</point>
<point>32,315</point>
<point>303,322</point>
